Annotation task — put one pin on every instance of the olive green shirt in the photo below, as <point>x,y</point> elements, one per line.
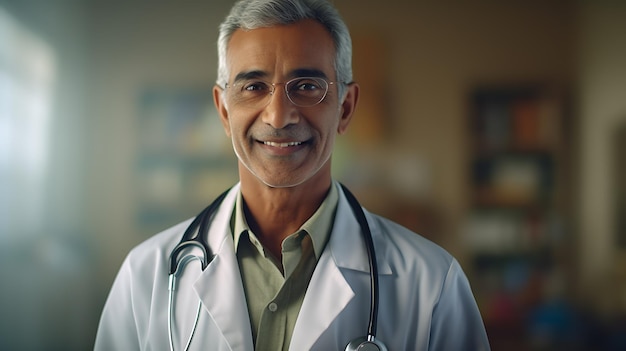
<point>275,290</point>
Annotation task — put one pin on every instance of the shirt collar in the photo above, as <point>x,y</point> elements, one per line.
<point>318,226</point>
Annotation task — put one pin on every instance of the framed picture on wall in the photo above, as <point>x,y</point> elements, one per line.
<point>184,158</point>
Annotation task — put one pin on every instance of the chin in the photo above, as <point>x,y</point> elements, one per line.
<point>286,183</point>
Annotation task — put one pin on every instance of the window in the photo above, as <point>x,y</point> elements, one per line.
<point>27,74</point>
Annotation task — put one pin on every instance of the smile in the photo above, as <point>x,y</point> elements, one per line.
<point>274,144</point>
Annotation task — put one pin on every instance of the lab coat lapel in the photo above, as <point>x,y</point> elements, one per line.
<point>219,286</point>
<point>329,292</point>
<point>321,305</point>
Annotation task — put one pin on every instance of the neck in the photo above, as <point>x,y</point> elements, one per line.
<point>275,213</point>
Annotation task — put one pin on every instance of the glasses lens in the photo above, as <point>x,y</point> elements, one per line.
<point>306,91</point>
<point>250,93</point>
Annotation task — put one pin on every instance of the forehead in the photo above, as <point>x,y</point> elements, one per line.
<point>281,50</point>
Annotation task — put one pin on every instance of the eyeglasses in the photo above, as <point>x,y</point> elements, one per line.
<point>301,91</point>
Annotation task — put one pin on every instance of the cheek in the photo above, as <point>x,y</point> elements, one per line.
<point>334,126</point>
<point>233,126</point>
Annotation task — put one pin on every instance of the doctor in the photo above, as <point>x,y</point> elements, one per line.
<point>288,263</point>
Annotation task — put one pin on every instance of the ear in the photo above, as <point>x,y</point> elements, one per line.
<point>347,107</point>
<point>220,105</point>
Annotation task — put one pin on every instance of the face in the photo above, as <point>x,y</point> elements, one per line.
<point>278,143</point>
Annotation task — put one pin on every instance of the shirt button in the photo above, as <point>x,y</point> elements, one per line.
<point>273,307</point>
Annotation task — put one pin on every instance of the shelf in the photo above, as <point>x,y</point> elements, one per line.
<point>525,118</point>
<point>515,228</point>
<point>513,179</point>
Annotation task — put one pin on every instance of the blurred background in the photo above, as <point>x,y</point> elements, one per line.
<point>496,129</point>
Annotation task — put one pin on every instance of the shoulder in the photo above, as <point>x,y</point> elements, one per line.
<point>402,244</point>
<point>415,263</point>
<point>398,250</point>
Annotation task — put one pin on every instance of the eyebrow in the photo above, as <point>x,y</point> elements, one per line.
<point>247,75</point>
<point>308,72</point>
<point>300,72</point>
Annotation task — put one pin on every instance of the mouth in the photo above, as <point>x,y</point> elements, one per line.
<point>282,145</point>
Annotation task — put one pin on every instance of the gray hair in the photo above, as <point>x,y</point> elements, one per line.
<point>251,14</point>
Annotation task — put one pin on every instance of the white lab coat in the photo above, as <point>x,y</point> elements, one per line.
<point>425,298</point>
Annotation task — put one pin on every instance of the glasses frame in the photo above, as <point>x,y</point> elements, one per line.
<point>272,90</point>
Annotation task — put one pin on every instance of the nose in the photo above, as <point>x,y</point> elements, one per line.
<point>280,111</point>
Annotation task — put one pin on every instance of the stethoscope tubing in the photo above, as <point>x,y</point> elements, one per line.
<point>371,257</point>
<point>193,237</point>
<point>170,301</point>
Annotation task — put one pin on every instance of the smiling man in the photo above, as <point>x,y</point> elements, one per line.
<point>288,259</point>
<point>282,111</point>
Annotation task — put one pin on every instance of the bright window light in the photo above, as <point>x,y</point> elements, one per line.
<point>27,75</point>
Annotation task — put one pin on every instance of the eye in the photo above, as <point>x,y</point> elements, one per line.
<point>306,85</point>
<point>254,86</point>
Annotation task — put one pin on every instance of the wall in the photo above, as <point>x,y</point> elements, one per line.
<point>602,110</point>
<point>437,53</point>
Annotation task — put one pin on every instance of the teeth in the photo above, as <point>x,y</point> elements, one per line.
<point>292,143</point>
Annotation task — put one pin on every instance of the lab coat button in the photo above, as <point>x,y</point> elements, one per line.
<point>273,307</point>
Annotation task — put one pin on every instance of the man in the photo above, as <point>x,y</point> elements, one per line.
<point>287,258</point>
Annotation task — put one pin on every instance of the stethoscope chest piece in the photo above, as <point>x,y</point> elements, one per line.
<point>362,344</point>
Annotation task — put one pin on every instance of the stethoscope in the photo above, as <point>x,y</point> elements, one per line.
<point>192,238</point>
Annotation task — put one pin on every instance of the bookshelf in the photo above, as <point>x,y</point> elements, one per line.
<point>518,202</point>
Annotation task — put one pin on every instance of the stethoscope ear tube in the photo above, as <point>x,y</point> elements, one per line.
<point>175,264</point>
<point>194,235</point>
